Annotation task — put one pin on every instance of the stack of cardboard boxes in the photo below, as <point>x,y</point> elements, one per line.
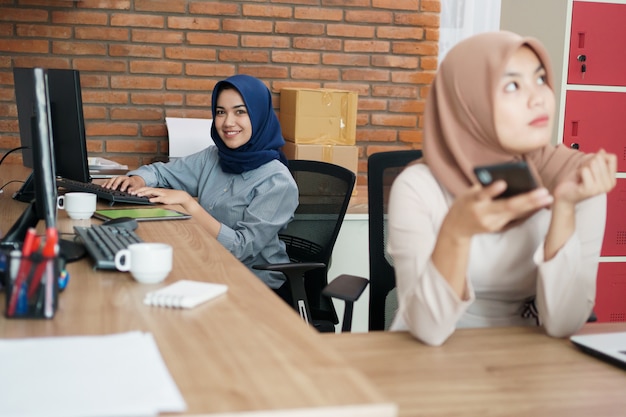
<point>320,125</point>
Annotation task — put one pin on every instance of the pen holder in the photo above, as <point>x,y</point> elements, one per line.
<point>32,286</point>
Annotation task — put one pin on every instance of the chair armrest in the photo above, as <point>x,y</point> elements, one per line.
<point>346,287</point>
<point>290,268</point>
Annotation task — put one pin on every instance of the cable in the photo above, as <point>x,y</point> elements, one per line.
<point>10,151</point>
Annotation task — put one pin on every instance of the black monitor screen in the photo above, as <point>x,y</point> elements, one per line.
<point>68,126</point>
<point>39,128</point>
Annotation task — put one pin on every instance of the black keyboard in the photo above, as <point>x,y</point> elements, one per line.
<point>103,242</point>
<point>112,196</point>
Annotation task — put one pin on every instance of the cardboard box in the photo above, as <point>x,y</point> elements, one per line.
<point>343,155</point>
<point>318,116</point>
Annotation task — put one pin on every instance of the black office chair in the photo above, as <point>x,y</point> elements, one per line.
<point>324,193</point>
<point>382,169</point>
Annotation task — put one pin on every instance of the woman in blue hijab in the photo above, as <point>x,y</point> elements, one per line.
<point>239,190</point>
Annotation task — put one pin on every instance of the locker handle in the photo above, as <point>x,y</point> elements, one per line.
<point>575,128</point>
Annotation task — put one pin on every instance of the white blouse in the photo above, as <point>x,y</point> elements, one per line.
<point>505,270</point>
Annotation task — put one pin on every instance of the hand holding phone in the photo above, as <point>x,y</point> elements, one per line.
<point>517,176</point>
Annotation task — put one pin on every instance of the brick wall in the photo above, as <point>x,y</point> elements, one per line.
<point>143,60</point>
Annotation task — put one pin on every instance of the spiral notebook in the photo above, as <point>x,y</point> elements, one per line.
<point>184,294</point>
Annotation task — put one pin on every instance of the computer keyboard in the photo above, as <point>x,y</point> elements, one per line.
<point>103,242</point>
<point>112,196</point>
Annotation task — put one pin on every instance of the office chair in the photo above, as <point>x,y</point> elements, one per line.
<point>382,169</point>
<point>324,193</point>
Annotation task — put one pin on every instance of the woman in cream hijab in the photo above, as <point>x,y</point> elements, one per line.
<point>464,258</point>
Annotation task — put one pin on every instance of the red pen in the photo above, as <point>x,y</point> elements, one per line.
<point>27,250</point>
<point>49,250</point>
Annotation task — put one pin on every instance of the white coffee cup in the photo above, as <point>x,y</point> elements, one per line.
<point>78,206</point>
<point>148,263</point>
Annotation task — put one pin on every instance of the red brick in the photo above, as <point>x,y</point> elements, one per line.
<point>78,48</point>
<point>394,120</point>
<point>397,4</point>
<point>24,45</point>
<point>156,67</point>
<point>41,61</point>
<point>377,135</point>
<point>88,80</point>
<point>350,31</point>
<point>263,10</point>
<point>157,99</point>
<point>369,16</point>
<point>413,77</point>
<point>193,84</point>
<point>430,6</point>
<point>395,61</point>
<point>92,64</point>
<point>43,31</point>
<point>417,19</point>
<point>366,104</point>
<point>346,60</point>
<point>262,41</point>
<point>80,17</point>
<point>136,82</point>
<point>8,110</point>
<point>294,57</point>
<point>322,44</point>
<point>154,130</point>
<point>366,46</point>
<point>193,23</point>
<point>394,91</point>
<point>171,6</point>
<point>6,29</point>
<point>143,51</point>
<point>264,72</point>
<point>7,126</point>
<point>365,74</point>
<point>243,56</point>
<point>429,63</point>
<point>314,73</point>
<point>391,32</point>
<point>217,39</point>
<point>105,97</point>
<point>209,70</point>
<point>415,48</point>
<point>156,36</point>
<point>137,20</point>
<point>316,13</point>
<point>407,106</point>
<point>23,15</point>
<point>411,136</point>
<point>214,8</point>
<point>133,113</point>
<point>198,100</point>
<point>111,129</point>
<point>183,112</point>
<point>7,94</point>
<point>247,25</point>
<point>104,4</point>
<point>102,33</point>
<point>190,54</point>
<point>94,112</point>
<point>299,28</point>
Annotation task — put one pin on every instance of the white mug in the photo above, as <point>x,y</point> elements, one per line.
<point>148,263</point>
<point>78,206</point>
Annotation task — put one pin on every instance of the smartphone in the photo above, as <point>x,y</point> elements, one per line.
<point>517,176</point>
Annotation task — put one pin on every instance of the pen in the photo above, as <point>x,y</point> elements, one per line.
<point>48,253</point>
<point>25,265</point>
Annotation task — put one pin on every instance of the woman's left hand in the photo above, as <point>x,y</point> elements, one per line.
<point>595,176</point>
<point>164,195</point>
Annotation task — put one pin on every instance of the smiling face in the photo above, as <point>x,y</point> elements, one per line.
<point>524,104</point>
<point>232,120</point>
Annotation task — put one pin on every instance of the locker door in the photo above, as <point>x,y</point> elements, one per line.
<point>598,34</point>
<point>611,292</point>
<point>595,120</point>
<point>614,243</point>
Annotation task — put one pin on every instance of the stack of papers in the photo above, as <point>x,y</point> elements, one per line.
<point>87,376</point>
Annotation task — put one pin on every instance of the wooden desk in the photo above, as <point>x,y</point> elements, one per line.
<point>245,351</point>
<point>488,372</point>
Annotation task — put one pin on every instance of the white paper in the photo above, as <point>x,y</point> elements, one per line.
<point>86,376</point>
<point>184,294</point>
<point>188,135</point>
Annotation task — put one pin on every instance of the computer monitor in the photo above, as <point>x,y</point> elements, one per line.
<point>68,125</point>
<point>39,129</point>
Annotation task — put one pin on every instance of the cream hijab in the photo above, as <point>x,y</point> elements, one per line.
<point>459,131</point>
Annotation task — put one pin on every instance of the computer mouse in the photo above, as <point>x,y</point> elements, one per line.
<point>124,222</point>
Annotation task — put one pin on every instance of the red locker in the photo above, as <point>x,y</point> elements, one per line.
<point>611,292</point>
<point>597,43</point>
<point>594,120</point>
<point>614,243</point>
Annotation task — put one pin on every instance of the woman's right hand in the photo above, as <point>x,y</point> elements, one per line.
<point>479,211</point>
<point>125,183</point>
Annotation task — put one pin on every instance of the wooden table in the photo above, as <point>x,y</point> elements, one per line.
<point>243,352</point>
<point>488,372</point>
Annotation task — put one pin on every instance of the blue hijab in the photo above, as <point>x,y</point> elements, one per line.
<point>267,138</point>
